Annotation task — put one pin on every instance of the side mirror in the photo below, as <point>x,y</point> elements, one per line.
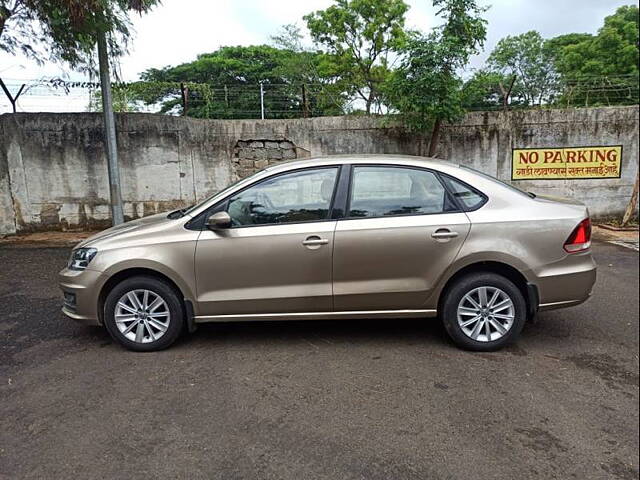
<point>219,220</point>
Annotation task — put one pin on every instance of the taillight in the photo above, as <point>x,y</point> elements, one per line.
<point>580,238</point>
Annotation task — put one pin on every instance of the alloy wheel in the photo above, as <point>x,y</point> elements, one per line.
<point>486,314</point>
<point>142,316</point>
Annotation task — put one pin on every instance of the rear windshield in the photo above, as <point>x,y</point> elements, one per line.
<point>500,182</point>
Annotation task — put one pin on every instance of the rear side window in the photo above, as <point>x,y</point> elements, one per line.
<point>467,196</point>
<point>387,191</point>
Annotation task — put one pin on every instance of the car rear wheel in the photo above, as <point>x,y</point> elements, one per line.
<point>483,311</point>
<point>143,314</point>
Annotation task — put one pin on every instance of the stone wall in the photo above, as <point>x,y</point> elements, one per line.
<point>53,172</point>
<point>249,156</point>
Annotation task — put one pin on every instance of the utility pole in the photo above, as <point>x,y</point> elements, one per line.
<point>261,101</point>
<point>110,132</point>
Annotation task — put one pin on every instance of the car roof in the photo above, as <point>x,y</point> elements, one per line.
<point>387,159</point>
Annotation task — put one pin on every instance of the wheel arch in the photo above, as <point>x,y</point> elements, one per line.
<point>129,272</point>
<point>528,289</point>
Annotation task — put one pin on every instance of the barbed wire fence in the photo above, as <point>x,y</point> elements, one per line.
<point>271,100</point>
<point>262,100</point>
<point>578,92</point>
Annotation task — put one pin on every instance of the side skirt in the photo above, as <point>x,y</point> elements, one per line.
<point>317,315</point>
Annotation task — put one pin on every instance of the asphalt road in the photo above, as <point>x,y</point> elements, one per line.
<point>316,400</point>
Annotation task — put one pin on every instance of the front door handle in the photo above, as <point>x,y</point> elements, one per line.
<point>314,241</point>
<point>444,233</point>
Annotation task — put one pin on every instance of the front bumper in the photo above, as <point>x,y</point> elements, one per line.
<point>81,290</point>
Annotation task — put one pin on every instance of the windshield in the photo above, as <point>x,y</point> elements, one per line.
<point>495,180</point>
<point>188,210</point>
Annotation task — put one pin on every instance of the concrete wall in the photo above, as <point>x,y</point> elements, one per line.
<point>53,170</point>
<point>484,141</point>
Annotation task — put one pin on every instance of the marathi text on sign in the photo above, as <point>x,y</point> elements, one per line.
<point>566,163</point>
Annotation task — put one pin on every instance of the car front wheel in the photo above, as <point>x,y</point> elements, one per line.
<point>143,314</point>
<point>483,311</point>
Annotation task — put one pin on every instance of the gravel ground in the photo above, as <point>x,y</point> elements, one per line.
<point>303,400</point>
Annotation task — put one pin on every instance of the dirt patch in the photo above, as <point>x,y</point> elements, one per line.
<point>619,469</point>
<point>541,441</point>
<point>605,234</point>
<point>606,368</point>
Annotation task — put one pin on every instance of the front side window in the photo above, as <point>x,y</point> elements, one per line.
<point>384,191</point>
<point>302,196</point>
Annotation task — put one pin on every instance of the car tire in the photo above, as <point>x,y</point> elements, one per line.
<point>463,298</point>
<point>159,328</point>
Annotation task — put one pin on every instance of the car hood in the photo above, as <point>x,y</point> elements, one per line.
<point>126,228</point>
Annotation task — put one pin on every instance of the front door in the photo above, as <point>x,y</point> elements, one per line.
<point>277,255</point>
<point>401,232</point>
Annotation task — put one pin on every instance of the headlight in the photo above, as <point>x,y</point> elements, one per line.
<point>81,257</point>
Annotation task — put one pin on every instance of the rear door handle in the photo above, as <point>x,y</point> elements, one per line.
<point>444,233</point>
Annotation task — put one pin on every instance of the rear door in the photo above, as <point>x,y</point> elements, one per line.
<point>402,230</point>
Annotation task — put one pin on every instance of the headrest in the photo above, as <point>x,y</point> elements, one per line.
<point>326,189</point>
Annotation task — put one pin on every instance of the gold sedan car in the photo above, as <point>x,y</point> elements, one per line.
<point>361,236</point>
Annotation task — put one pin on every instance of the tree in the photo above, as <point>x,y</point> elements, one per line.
<point>326,92</point>
<point>526,57</point>
<point>228,79</point>
<point>65,30</point>
<point>225,84</point>
<point>613,51</point>
<point>70,29</point>
<point>602,68</point>
<point>555,45</point>
<point>426,88</point>
<point>359,35</point>
<point>488,89</point>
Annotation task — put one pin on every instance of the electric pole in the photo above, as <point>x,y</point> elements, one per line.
<point>110,132</point>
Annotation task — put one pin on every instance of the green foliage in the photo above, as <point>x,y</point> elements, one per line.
<point>464,30</point>
<point>613,51</point>
<point>125,98</point>
<point>65,30</point>
<point>327,90</point>
<point>526,57</point>
<point>350,64</point>
<point>555,45</point>
<point>225,84</point>
<point>426,87</point>
<point>572,69</point>
<point>487,89</point>
<point>359,35</point>
<point>600,69</point>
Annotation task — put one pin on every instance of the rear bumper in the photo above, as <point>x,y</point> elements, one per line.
<point>567,303</point>
<point>567,283</point>
<point>80,291</point>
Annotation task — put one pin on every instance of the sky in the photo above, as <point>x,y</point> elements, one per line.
<point>178,30</point>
